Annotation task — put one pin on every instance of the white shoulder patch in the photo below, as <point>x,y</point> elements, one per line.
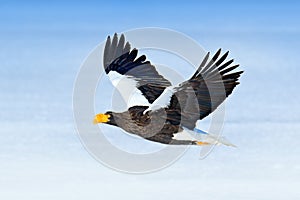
<point>127,88</point>
<point>163,100</point>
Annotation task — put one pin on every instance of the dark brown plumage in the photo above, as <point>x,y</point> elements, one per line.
<point>192,100</point>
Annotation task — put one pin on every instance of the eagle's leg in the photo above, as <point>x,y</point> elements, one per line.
<point>188,142</point>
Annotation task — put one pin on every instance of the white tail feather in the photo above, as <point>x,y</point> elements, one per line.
<point>210,138</point>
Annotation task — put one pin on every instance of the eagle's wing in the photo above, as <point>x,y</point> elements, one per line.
<point>199,96</point>
<point>120,62</point>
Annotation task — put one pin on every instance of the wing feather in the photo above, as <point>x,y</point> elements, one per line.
<point>119,57</point>
<point>199,96</point>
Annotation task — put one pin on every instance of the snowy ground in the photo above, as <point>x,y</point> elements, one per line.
<point>41,156</point>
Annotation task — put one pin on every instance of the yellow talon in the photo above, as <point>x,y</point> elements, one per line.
<point>202,143</point>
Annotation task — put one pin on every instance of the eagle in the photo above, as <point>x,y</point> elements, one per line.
<point>167,112</point>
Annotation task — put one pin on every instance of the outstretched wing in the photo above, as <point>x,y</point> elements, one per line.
<point>120,61</point>
<point>199,96</point>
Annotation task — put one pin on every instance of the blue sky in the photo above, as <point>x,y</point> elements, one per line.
<point>42,46</point>
<point>257,16</point>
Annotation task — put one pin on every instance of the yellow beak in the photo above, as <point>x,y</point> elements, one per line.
<point>101,118</point>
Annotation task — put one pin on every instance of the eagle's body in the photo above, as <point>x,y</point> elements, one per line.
<point>170,110</point>
<point>153,126</point>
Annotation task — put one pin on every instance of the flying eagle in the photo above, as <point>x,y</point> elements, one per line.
<point>167,111</point>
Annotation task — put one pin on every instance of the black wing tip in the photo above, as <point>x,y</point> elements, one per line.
<point>121,35</point>
<point>226,53</point>
<point>240,72</point>
<point>217,53</point>
<point>141,59</point>
<point>108,40</point>
<point>205,58</point>
<point>115,35</point>
<point>134,50</point>
<point>220,50</point>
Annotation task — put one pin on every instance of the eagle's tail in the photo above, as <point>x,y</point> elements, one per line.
<point>212,139</point>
